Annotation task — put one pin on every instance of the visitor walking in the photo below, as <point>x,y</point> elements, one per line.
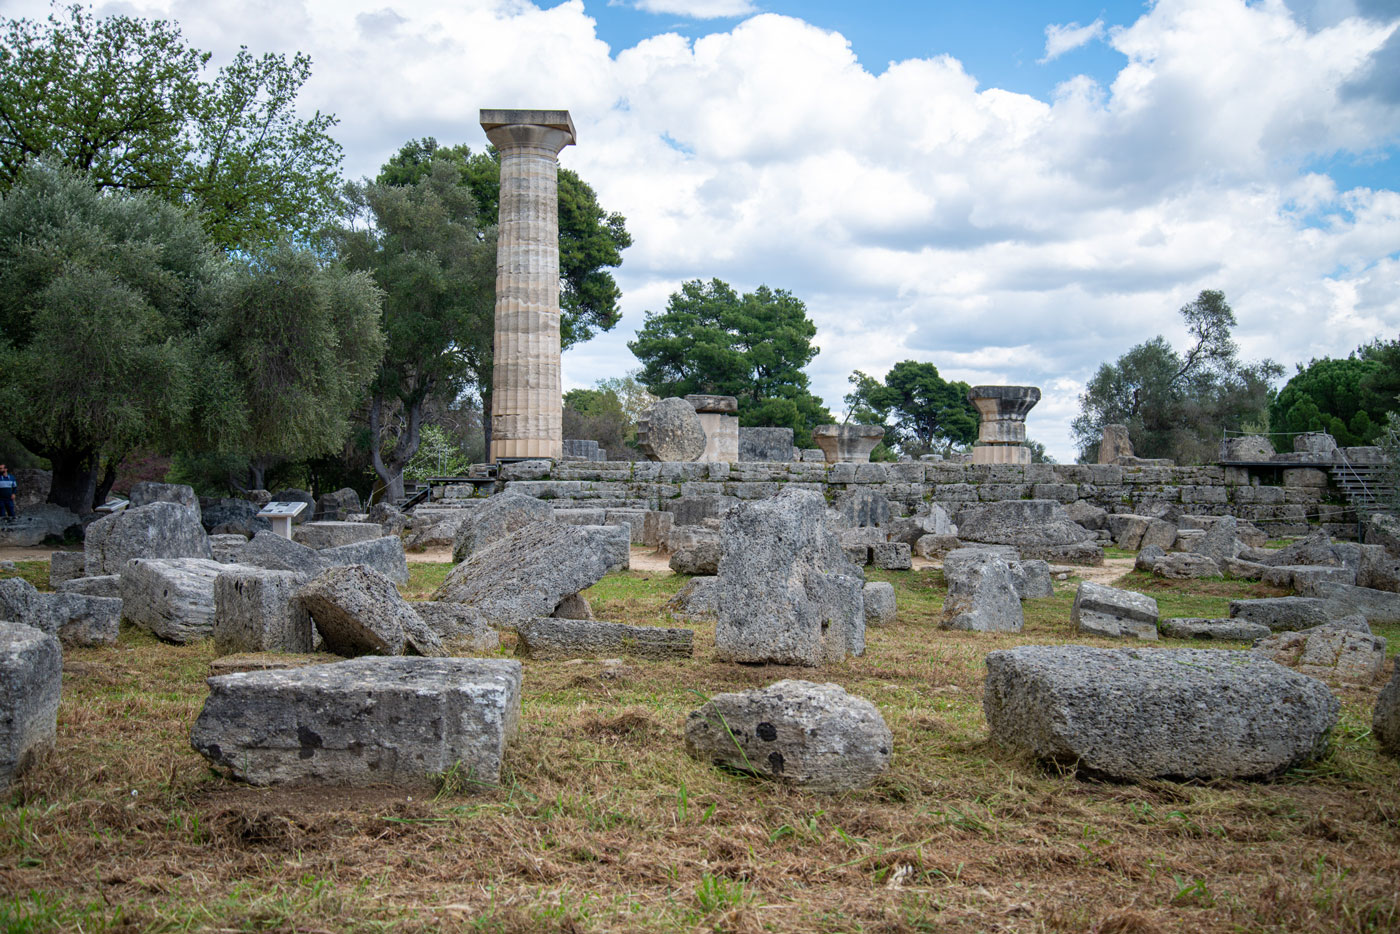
<point>7,494</point>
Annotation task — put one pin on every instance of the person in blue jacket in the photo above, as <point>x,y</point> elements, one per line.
<point>7,494</point>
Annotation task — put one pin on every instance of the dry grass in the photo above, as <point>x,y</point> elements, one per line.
<point>602,823</point>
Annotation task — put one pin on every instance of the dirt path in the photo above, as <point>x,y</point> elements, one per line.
<point>37,553</point>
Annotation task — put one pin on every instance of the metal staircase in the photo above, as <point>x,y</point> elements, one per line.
<point>1362,486</point>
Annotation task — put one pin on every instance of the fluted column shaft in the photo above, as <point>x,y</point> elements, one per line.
<point>527,415</point>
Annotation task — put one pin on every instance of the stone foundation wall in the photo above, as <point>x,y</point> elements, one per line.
<point>1304,498</point>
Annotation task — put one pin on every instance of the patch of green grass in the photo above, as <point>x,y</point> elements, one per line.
<point>424,577</point>
<point>36,572</point>
<point>1113,551</point>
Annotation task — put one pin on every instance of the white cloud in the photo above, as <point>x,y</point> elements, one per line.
<point>1067,38</point>
<point>698,9</point>
<point>1000,237</point>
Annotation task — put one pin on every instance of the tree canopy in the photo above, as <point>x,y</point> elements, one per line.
<point>124,101</point>
<point>920,410</point>
<point>710,339</point>
<point>1178,405</point>
<point>1327,395</point>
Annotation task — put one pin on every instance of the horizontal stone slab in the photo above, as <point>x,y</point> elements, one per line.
<point>578,638</point>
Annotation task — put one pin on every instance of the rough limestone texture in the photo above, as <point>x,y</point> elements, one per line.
<point>933,546</point>
<point>982,596</point>
<point>814,736</point>
<point>31,674</point>
<point>574,606</point>
<point>1385,722</point>
<point>1107,611</point>
<point>255,610</point>
<point>358,611</point>
<point>275,553</point>
<point>228,548</point>
<point>172,598</point>
<point>146,492</point>
<point>76,619</point>
<point>1115,444</point>
<point>1334,652</point>
<point>1138,714</point>
<point>1236,630</point>
<point>1384,530</point>
<point>1185,566</point>
<point>1020,522</point>
<point>320,535</point>
<point>459,628</point>
<point>697,552</point>
<point>568,638</point>
<point>385,555</point>
<point>697,600</point>
<point>526,574</point>
<point>160,530</point>
<point>1147,559</point>
<point>332,507</point>
<point>104,585</point>
<point>671,431</point>
<point>860,508</point>
<point>847,444</point>
<point>36,523</point>
<point>1283,614</point>
<point>1221,542</point>
<point>66,566</point>
<point>366,721</point>
<point>1378,606</point>
<point>879,603</point>
<point>765,444</point>
<point>891,556</point>
<point>788,593</point>
<point>496,518</point>
<point>1031,579</point>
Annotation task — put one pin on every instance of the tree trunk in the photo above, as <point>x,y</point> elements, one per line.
<point>74,483</point>
<point>390,470</point>
<point>104,486</point>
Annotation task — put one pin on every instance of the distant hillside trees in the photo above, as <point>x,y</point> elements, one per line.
<point>1177,405</point>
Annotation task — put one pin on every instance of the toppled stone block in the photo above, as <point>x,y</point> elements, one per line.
<point>75,619</point>
<point>66,566</point>
<point>1107,611</point>
<point>1020,522</point>
<point>1384,530</point>
<point>859,555</point>
<point>1378,606</point>
<point>1139,714</point>
<point>1237,630</point>
<point>146,492</point>
<point>37,523</point>
<point>934,546</point>
<point>233,517</point>
<point>656,528</point>
<point>171,598</point>
<point>384,555</point>
<point>1282,614</point>
<point>1221,542</point>
<point>329,534</point>
<point>1385,721</point>
<point>814,736</point>
<point>1185,566</point>
<point>458,627</point>
<point>227,548</point>
<point>358,611</point>
<point>338,506</point>
<point>160,530</point>
<point>879,603</point>
<point>256,610</point>
<point>1303,578</point>
<point>670,430</point>
<point>787,592</point>
<point>982,595</point>
<point>891,556</point>
<point>499,516</point>
<point>556,638</point>
<point>1148,558</point>
<point>105,585</point>
<point>1031,579</point>
<point>399,721</point>
<point>574,606</point>
<point>1088,515</point>
<point>31,674</point>
<point>697,600</point>
<point>526,574</point>
<point>911,529</point>
<point>1331,652</point>
<point>696,550</point>
<point>274,553</point>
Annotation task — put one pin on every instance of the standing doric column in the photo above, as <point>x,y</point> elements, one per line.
<point>527,409</point>
<point>1001,438</point>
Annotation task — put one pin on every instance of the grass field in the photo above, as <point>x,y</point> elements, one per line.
<point>603,823</point>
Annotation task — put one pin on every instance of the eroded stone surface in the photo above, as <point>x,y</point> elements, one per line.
<point>160,530</point>
<point>670,431</point>
<point>329,534</point>
<point>879,603</point>
<point>358,611</point>
<point>172,598</point>
<point>31,674</point>
<point>568,638</point>
<point>1107,611</point>
<point>496,518</point>
<point>1385,721</point>
<point>458,627</point>
<point>982,595</point>
<point>1333,652</point>
<point>1196,628</point>
<point>255,610</point>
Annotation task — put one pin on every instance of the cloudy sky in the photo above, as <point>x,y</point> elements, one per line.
<point>1013,191</point>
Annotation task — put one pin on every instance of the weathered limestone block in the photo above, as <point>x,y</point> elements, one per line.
<point>495,519</point>
<point>459,628</point>
<point>1020,523</point>
<point>933,546</point>
<point>398,721</point>
<point>226,549</point>
<point>765,444</point>
<point>1031,578</point>
<point>574,606</point>
<point>105,585</point>
<point>321,535</point>
<point>145,492</point>
<point>384,555</point>
<point>814,736</point>
<point>863,508</point>
<point>338,506</point>
<point>66,566</point>
<point>556,638</point>
<point>1087,515</point>
<point>1246,449</point>
<point>700,555</point>
<point>891,556</point>
<point>233,517</point>
<point>1147,559</point>
<point>160,530</point>
<point>255,610</point>
<point>656,528</point>
<point>358,611</point>
<point>847,444</point>
<point>670,430</point>
<point>433,528</point>
<point>1383,530</point>
<point>1385,722</point>
<point>1138,714</point>
<point>1115,444</point>
<point>36,523</point>
<point>273,552</point>
<point>1283,614</point>
<point>75,618</point>
<point>788,593</point>
<point>697,600</point>
<point>1378,606</point>
<point>172,598</point>
<point>31,673</point>
<point>526,574</point>
<point>1107,611</point>
<point>909,529</point>
<point>879,603</point>
<point>982,595</point>
<point>1237,630</point>
<point>1304,578</point>
<point>1334,652</point>
<point>1185,566</point>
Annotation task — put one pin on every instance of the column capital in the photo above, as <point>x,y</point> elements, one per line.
<point>553,129</point>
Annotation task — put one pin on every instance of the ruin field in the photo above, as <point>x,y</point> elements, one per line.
<point>602,822</point>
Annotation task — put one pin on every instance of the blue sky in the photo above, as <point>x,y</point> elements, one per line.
<point>1027,192</point>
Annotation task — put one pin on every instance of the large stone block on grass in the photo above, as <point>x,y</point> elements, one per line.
<point>1385,721</point>
<point>879,603</point>
<point>814,736</point>
<point>1196,628</point>
<point>787,592</point>
<point>1184,566</point>
<point>31,674</point>
<point>1337,652</point>
<point>1107,611</point>
<point>1378,606</point>
<point>1283,614</point>
<point>891,556</point>
<point>573,638</point>
<point>398,721</point>
<point>526,574</point>
<point>358,611</point>
<point>459,628</point>
<point>66,566</point>
<point>275,553</point>
<point>171,598</point>
<point>105,585</point>
<point>496,518</point>
<point>1031,578</point>
<point>384,555</point>
<point>160,530</point>
<point>74,618</point>
<point>255,610</point>
<point>982,594</point>
<point>696,550</point>
<point>329,534</point>
<point>1139,714</point>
